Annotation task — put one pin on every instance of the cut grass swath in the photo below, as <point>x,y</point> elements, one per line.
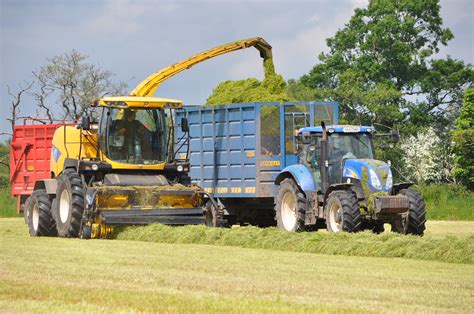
<point>446,249</point>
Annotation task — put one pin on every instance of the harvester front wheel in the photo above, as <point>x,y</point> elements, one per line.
<point>413,221</point>
<point>342,212</point>
<point>38,213</point>
<point>290,206</point>
<point>69,204</point>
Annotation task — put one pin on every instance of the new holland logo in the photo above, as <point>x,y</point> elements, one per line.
<point>55,153</point>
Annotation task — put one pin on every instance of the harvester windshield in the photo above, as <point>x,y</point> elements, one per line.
<point>135,136</point>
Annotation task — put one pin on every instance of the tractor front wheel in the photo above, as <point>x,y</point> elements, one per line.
<point>290,206</point>
<point>38,214</point>
<point>68,206</point>
<point>342,212</point>
<point>413,221</point>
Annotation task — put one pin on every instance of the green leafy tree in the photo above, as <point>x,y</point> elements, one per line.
<point>463,137</point>
<point>384,54</point>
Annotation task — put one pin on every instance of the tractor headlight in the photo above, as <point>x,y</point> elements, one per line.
<point>95,167</point>
<point>374,180</point>
<point>179,168</point>
<point>389,183</point>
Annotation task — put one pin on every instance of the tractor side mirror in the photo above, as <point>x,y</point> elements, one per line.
<point>184,125</point>
<point>306,138</point>
<point>395,136</point>
<point>85,123</point>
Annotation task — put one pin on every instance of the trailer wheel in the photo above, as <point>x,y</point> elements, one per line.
<point>342,212</point>
<point>413,221</point>
<point>38,213</point>
<point>210,215</point>
<point>290,206</point>
<point>69,204</point>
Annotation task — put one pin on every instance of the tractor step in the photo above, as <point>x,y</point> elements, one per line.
<point>172,216</point>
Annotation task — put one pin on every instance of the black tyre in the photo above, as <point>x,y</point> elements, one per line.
<point>38,213</point>
<point>342,212</point>
<point>214,217</point>
<point>413,221</point>
<point>290,206</point>
<point>210,215</point>
<point>68,206</point>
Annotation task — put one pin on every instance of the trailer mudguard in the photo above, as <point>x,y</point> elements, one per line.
<point>301,175</point>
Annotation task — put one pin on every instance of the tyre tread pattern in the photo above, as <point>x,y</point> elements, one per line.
<point>352,219</point>
<point>46,223</point>
<point>77,204</point>
<point>300,201</point>
<point>416,212</point>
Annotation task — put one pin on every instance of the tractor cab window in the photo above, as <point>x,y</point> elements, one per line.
<point>310,155</point>
<point>342,146</point>
<point>136,136</point>
<point>350,145</point>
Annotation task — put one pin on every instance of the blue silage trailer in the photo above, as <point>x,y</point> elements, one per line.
<point>237,151</point>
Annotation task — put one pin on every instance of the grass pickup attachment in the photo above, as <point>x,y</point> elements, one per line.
<point>110,205</point>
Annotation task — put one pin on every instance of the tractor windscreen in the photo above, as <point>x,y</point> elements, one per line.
<point>350,146</point>
<point>136,136</point>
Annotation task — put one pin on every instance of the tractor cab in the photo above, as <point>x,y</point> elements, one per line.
<point>350,157</point>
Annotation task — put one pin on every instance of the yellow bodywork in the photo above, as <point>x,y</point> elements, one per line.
<point>67,144</point>
<point>67,139</point>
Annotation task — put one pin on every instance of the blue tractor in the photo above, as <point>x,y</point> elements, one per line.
<point>339,183</point>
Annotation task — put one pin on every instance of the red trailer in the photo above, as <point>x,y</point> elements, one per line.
<point>30,153</point>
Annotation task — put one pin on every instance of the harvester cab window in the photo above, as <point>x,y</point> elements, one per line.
<point>136,136</point>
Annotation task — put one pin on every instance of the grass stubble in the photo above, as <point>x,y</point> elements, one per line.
<point>58,275</point>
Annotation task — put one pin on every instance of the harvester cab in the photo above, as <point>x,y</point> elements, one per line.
<point>354,190</point>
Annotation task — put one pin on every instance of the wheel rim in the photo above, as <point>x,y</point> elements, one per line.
<point>64,206</point>
<point>35,217</point>
<point>288,211</point>
<point>335,217</point>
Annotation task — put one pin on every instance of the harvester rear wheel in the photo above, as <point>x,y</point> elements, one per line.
<point>38,213</point>
<point>412,222</point>
<point>290,206</point>
<point>342,212</point>
<point>69,204</point>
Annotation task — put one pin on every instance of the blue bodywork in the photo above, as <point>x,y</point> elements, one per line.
<point>238,150</point>
<point>369,170</point>
<point>302,176</point>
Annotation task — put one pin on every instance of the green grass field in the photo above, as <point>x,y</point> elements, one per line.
<point>71,275</point>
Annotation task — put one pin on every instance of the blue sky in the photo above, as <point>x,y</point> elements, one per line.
<point>135,38</point>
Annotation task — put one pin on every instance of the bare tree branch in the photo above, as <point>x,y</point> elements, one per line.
<point>15,105</point>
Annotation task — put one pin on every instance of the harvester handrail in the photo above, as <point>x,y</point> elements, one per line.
<point>35,121</point>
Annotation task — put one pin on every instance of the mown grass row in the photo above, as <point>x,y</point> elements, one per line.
<point>447,249</point>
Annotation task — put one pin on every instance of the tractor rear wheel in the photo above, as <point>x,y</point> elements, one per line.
<point>38,213</point>
<point>290,206</point>
<point>413,221</point>
<point>342,212</point>
<point>68,206</point>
